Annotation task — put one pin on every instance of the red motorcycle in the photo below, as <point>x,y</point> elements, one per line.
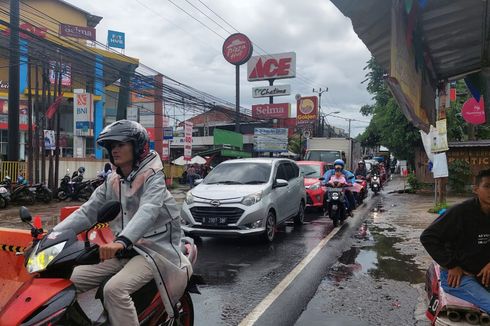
<point>363,192</point>
<point>49,297</point>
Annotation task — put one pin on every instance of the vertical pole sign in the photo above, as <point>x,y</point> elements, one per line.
<point>237,49</point>
<point>188,141</point>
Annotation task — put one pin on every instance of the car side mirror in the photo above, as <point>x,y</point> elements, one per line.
<point>25,215</point>
<point>279,183</point>
<point>109,211</point>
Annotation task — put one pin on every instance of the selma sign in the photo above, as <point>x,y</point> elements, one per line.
<point>271,111</point>
<point>273,66</point>
<point>266,91</point>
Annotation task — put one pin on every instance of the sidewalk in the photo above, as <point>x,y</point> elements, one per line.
<point>379,279</point>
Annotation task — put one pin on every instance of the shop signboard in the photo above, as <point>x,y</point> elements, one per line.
<point>87,33</point>
<point>116,39</point>
<point>474,112</point>
<point>166,150</point>
<point>188,140</point>
<point>83,114</point>
<point>307,110</point>
<point>272,66</point>
<point>271,140</point>
<point>271,111</point>
<point>267,91</point>
<point>168,132</point>
<point>237,49</point>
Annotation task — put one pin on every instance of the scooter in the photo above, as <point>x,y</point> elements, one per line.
<point>41,192</point>
<point>375,184</point>
<point>4,197</point>
<point>49,298</point>
<point>335,203</point>
<point>19,193</point>
<point>74,189</point>
<point>445,309</point>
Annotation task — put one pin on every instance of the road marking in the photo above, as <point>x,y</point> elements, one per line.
<point>255,314</point>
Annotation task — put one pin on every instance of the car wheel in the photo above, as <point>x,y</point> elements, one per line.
<point>300,217</point>
<point>270,227</point>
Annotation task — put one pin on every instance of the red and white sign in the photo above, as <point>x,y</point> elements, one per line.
<point>271,111</point>
<point>273,66</point>
<point>474,112</point>
<point>307,110</point>
<point>237,49</point>
<point>166,150</point>
<point>188,141</point>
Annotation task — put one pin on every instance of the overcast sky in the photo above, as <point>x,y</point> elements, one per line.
<point>328,52</point>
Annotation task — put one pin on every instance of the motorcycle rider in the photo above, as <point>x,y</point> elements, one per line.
<point>361,169</point>
<point>459,241</point>
<point>349,177</point>
<point>148,227</point>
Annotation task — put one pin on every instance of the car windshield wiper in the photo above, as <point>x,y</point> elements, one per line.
<point>255,182</point>
<point>226,182</point>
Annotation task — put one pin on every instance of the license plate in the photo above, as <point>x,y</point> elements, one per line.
<point>214,220</point>
<point>334,207</point>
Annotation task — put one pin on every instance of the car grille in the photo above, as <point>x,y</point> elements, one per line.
<point>232,214</point>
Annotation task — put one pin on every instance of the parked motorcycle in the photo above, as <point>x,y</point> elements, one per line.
<point>41,192</point>
<point>4,197</point>
<point>51,296</point>
<point>74,188</point>
<point>375,183</point>
<point>445,309</point>
<point>335,204</point>
<point>19,193</point>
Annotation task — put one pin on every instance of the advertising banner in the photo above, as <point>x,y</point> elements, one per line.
<point>49,140</point>
<point>65,73</point>
<point>116,39</point>
<point>439,137</point>
<point>266,91</point>
<point>83,114</point>
<point>166,150</point>
<point>87,33</point>
<point>272,66</point>
<point>271,140</point>
<point>188,141</point>
<point>307,110</point>
<point>271,111</point>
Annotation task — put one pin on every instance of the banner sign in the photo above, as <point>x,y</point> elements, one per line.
<point>87,33</point>
<point>474,112</point>
<point>166,150</point>
<point>271,111</point>
<point>272,66</point>
<point>439,137</point>
<point>65,73</point>
<point>237,49</point>
<point>83,114</point>
<point>266,91</point>
<point>116,39</point>
<point>49,140</point>
<point>271,140</point>
<point>188,141</point>
<point>307,110</point>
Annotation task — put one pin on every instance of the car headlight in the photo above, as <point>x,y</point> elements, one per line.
<point>249,200</point>
<point>38,262</point>
<point>314,186</point>
<point>189,198</point>
<point>335,196</point>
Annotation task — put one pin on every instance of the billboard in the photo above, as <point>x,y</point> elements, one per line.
<point>116,39</point>
<point>307,110</point>
<point>229,138</point>
<point>272,66</point>
<point>83,114</point>
<point>271,140</point>
<point>271,111</point>
<point>237,49</point>
<point>87,33</point>
<point>266,91</point>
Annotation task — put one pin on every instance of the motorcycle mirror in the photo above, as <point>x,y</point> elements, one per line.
<point>24,214</point>
<point>109,211</point>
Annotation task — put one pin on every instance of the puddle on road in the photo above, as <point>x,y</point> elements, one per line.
<point>373,253</point>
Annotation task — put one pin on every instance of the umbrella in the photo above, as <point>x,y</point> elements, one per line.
<point>198,159</point>
<point>180,161</point>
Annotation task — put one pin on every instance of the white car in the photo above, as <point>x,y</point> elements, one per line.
<point>245,197</point>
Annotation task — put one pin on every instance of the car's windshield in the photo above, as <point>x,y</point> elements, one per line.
<point>310,171</point>
<point>324,156</point>
<point>239,173</point>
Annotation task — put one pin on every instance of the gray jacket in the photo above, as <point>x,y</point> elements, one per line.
<point>149,218</point>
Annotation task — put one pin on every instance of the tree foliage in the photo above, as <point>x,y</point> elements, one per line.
<point>388,126</point>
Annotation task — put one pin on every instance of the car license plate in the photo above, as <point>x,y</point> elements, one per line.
<point>214,220</point>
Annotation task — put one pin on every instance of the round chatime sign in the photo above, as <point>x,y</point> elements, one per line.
<point>237,49</point>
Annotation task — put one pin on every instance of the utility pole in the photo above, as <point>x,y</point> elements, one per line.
<point>13,101</point>
<point>320,91</point>
<point>349,126</point>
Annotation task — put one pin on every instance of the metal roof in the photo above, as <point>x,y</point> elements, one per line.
<point>455,32</point>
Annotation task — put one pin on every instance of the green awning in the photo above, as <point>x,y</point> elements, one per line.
<point>225,152</point>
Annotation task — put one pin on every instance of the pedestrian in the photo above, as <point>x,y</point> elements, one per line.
<point>148,226</point>
<point>191,171</point>
<point>459,241</point>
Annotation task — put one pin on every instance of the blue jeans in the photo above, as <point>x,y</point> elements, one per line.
<point>470,289</point>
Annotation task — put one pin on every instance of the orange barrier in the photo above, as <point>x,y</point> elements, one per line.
<point>99,236</point>
<point>12,271</point>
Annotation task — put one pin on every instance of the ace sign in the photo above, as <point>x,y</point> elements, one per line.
<point>274,66</point>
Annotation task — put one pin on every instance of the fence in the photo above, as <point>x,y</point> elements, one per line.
<point>13,169</point>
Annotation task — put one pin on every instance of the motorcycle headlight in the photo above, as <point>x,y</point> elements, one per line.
<point>189,198</point>
<point>335,196</point>
<point>375,178</point>
<point>3,190</point>
<point>315,186</point>
<point>38,262</point>
<point>249,200</point>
